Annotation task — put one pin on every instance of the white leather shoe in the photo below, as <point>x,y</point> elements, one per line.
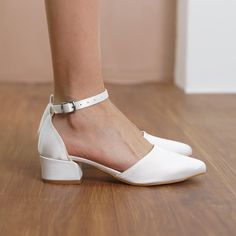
<point>159,166</point>
<point>167,144</point>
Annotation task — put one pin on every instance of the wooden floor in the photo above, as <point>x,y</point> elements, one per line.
<point>205,205</point>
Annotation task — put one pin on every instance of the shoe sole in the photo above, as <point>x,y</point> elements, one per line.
<point>77,182</point>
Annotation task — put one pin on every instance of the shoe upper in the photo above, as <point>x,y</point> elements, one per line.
<point>170,145</point>
<point>162,166</point>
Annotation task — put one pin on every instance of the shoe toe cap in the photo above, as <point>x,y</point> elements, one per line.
<point>182,148</point>
<point>200,167</point>
<point>183,167</point>
<point>178,147</point>
<point>193,167</point>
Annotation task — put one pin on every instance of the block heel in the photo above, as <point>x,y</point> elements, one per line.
<point>60,172</point>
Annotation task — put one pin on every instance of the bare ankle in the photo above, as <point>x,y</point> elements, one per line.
<point>98,113</point>
<point>76,92</point>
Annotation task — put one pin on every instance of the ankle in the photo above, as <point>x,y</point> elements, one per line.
<point>76,92</point>
<point>85,117</point>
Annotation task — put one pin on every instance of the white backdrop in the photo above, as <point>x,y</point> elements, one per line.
<point>206,46</point>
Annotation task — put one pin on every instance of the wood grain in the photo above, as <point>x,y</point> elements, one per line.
<point>205,205</point>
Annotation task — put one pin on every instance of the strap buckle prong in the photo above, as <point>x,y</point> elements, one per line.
<point>68,107</point>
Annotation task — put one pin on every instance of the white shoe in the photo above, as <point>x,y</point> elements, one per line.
<point>167,144</point>
<point>159,166</point>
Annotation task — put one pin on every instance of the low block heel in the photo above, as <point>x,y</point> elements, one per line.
<point>60,172</point>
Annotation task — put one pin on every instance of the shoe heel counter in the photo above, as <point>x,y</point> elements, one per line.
<point>50,144</point>
<point>44,116</point>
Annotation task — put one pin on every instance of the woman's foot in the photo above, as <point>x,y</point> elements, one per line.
<point>101,133</point>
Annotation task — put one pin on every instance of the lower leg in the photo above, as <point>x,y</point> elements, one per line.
<point>74,35</point>
<point>101,132</point>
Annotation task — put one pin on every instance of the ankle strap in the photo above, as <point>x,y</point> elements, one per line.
<point>72,106</point>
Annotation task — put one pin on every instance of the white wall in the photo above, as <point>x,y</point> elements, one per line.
<point>206,46</point>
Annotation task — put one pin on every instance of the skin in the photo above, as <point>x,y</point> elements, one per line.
<point>101,132</point>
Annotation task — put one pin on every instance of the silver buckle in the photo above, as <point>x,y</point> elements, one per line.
<point>68,107</point>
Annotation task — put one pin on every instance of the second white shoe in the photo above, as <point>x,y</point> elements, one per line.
<point>168,144</point>
<point>159,166</point>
